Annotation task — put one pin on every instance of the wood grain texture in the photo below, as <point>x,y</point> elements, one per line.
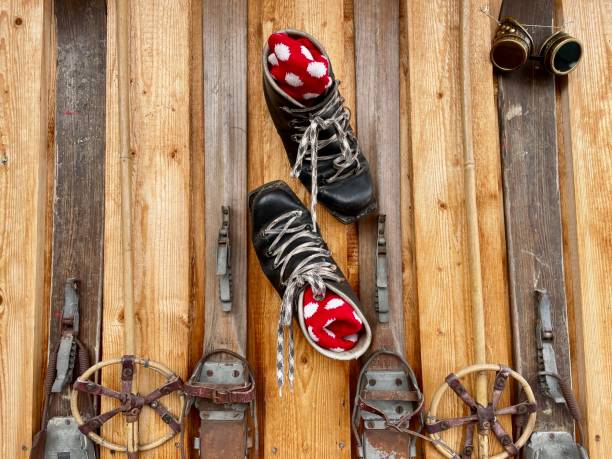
<point>437,195</point>
<point>409,279</point>
<point>160,155</point>
<point>197,222</point>
<point>167,73</point>
<point>225,149</point>
<point>378,126</point>
<point>528,126</point>
<point>289,429</point>
<point>590,108</point>
<point>25,29</point>
<point>78,214</point>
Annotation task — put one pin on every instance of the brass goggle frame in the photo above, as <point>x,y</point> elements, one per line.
<point>513,46</point>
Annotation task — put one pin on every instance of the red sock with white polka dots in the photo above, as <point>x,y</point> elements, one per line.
<point>298,67</point>
<point>331,322</point>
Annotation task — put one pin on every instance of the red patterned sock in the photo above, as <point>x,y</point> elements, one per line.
<point>331,322</point>
<point>298,67</point>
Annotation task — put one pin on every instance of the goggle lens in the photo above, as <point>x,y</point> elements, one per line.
<point>508,55</point>
<point>567,57</point>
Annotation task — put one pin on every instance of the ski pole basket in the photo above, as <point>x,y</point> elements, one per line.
<point>131,404</point>
<point>484,417</point>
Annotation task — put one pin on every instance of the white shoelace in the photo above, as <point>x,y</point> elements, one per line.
<point>309,144</point>
<point>311,270</point>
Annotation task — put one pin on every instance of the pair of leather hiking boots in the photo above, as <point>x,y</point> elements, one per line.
<point>325,156</point>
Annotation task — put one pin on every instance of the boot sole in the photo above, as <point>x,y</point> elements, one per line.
<point>342,218</point>
<point>349,219</point>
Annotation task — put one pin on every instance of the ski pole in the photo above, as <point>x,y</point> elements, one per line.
<point>476,297</point>
<point>123,71</point>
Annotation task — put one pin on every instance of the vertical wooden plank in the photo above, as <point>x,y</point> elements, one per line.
<point>378,126</point>
<point>197,222</point>
<point>225,146</point>
<point>438,196</point>
<point>588,148</point>
<point>409,280</point>
<point>160,103</point>
<point>24,62</point>
<point>527,114</point>
<point>78,215</point>
<point>313,421</point>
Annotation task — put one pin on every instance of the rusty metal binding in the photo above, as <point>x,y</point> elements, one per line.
<point>484,411</point>
<point>58,435</point>
<point>131,402</point>
<point>386,400</point>
<point>223,391</point>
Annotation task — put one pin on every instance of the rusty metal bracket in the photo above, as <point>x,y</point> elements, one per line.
<point>224,268</point>
<point>65,441</point>
<point>553,445</point>
<point>545,348</point>
<point>382,274</point>
<point>66,354</point>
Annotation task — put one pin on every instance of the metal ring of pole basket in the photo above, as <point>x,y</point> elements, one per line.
<point>436,425</point>
<point>84,384</point>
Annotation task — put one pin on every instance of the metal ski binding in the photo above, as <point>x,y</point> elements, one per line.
<point>224,394</point>
<point>66,353</point>
<point>382,275</point>
<point>387,396</point>
<point>545,350</point>
<point>222,387</point>
<point>59,436</point>
<point>385,400</point>
<point>224,266</point>
<point>554,444</point>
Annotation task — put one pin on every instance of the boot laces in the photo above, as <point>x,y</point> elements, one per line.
<point>310,144</point>
<point>313,270</point>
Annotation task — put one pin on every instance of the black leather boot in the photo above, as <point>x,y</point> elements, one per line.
<point>293,256</point>
<point>321,145</point>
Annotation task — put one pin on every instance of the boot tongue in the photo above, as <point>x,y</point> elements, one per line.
<point>299,68</point>
<point>331,322</point>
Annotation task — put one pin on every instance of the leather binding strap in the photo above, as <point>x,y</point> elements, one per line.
<point>223,404</point>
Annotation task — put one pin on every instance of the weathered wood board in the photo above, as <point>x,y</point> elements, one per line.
<point>78,212</point>
<point>378,130</point>
<point>167,74</point>
<point>25,65</point>
<point>160,155</point>
<point>589,118</point>
<point>377,46</point>
<point>313,420</point>
<point>527,116</point>
<point>437,196</point>
<point>225,150</point>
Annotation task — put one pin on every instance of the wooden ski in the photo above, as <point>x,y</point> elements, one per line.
<point>223,385</point>
<point>78,220</point>
<point>528,125</point>
<point>387,390</point>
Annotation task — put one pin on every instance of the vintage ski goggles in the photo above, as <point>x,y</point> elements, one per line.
<point>513,45</point>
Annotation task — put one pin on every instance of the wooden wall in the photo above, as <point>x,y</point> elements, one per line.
<point>167,120</point>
